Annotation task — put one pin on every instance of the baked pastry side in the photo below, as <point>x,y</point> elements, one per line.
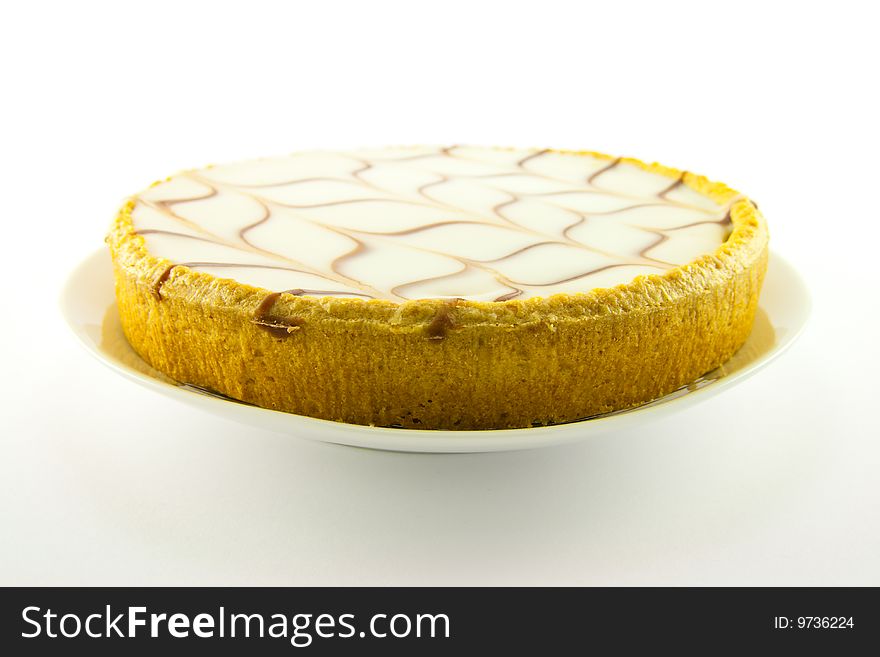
<point>447,364</point>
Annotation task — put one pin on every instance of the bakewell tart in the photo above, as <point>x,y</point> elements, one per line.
<point>439,288</point>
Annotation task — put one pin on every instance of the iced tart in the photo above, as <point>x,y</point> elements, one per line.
<point>439,288</point>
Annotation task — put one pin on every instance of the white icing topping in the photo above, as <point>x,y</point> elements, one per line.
<point>409,223</point>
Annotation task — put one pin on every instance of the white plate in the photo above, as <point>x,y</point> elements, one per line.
<point>89,307</point>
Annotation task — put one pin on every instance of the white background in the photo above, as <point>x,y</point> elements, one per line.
<point>772,482</point>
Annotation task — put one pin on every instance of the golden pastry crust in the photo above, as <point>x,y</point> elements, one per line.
<point>439,364</point>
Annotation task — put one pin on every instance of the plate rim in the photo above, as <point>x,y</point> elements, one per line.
<point>428,440</point>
